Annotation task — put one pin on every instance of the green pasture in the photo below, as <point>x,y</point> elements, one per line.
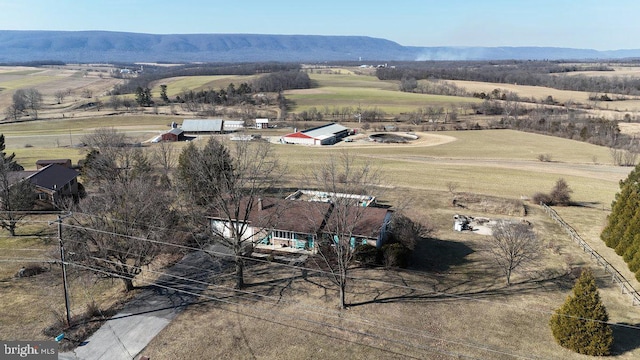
<point>366,92</point>
<point>216,82</point>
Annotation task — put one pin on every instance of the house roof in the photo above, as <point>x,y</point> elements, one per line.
<point>53,176</point>
<point>309,217</point>
<point>53,161</point>
<point>175,131</point>
<point>262,121</point>
<point>202,125</point>
<point>298,135</point>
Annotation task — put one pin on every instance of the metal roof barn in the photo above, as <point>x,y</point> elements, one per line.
<point>321,135</point>
<point>202,125</point>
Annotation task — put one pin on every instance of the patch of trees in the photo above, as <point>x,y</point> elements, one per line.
<point>623,224</point>
<point>569,124</point>
<point>535,73</point>
<point>282,80</point>
<point>35,63</point>
<point>25,102</point>
<point>153,73</point>
<point>195,100</point>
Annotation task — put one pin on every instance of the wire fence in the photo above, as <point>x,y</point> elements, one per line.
<point>616,277</point>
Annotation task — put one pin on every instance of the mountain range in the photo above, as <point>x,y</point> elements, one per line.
<point>106,46</point>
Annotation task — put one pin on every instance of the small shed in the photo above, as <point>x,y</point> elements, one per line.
<point>262,123</point>
<point>173,135</point>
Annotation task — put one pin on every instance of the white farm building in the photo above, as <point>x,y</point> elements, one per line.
<point>322,135</point>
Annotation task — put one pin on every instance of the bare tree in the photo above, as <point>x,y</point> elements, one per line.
<point>227,183</point>
<point>34,101</point>
<point>164,157</point>
<point>357,180</point>
<point>60,95</point>
<point>513,245</point>
<point>118,232</point>
<point>112,157</point>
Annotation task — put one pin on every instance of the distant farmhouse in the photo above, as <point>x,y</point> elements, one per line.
<point>262,123</point>
<point>328,134</point>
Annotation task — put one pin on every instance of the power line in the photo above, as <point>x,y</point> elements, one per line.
<point>379,337</point>
<point>225,255</point>
<point>366,321</point>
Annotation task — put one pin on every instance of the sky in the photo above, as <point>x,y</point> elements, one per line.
<point>585,24</point>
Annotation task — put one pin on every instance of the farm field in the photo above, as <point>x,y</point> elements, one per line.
<point>453,302</point>
<point>365,92</point>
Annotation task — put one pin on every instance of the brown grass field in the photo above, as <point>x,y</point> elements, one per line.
<point>451,303</point>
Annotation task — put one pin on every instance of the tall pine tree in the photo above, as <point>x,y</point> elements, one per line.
<point>623,227</point>
<point>581,323</point>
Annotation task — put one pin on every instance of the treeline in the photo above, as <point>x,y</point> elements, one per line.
<point>154,73</point>
<point>534,73</point>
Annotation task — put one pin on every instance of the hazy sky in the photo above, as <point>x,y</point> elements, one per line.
<point>595,24</point>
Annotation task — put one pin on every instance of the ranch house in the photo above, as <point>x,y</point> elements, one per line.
<point>296,225</point>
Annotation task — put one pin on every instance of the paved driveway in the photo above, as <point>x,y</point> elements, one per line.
<point>127,333</point>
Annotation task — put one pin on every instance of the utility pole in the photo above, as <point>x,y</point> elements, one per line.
<point>64,267</point>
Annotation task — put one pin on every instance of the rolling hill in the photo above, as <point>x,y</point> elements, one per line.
<point>106,46</point>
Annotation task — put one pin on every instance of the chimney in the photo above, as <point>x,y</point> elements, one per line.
<point>259,204</point>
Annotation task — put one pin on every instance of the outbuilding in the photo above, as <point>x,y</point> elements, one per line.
<point>195,126</point>
<point>262,123</point>
<point>322,135</point>
<point>173,135</point>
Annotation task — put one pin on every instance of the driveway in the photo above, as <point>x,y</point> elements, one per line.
<point>127,333</point>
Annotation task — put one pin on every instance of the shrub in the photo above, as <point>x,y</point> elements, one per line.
<point>561,193</point>
<point>542,198</point>
<point>395,255</point>
<point>581,323</point>
<point>367,255</point>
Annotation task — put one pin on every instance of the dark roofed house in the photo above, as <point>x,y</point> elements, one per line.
<point>295,224</point>
<point>54,183</point>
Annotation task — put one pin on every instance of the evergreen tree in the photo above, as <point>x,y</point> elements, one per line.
<point>9,161</point>
<point>581,323</point>
<point>623,227</point>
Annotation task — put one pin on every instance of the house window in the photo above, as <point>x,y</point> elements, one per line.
<point>42,196</point>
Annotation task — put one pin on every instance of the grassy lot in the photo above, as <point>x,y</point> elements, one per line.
<point>366,92</point>
<point>216,82</point>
